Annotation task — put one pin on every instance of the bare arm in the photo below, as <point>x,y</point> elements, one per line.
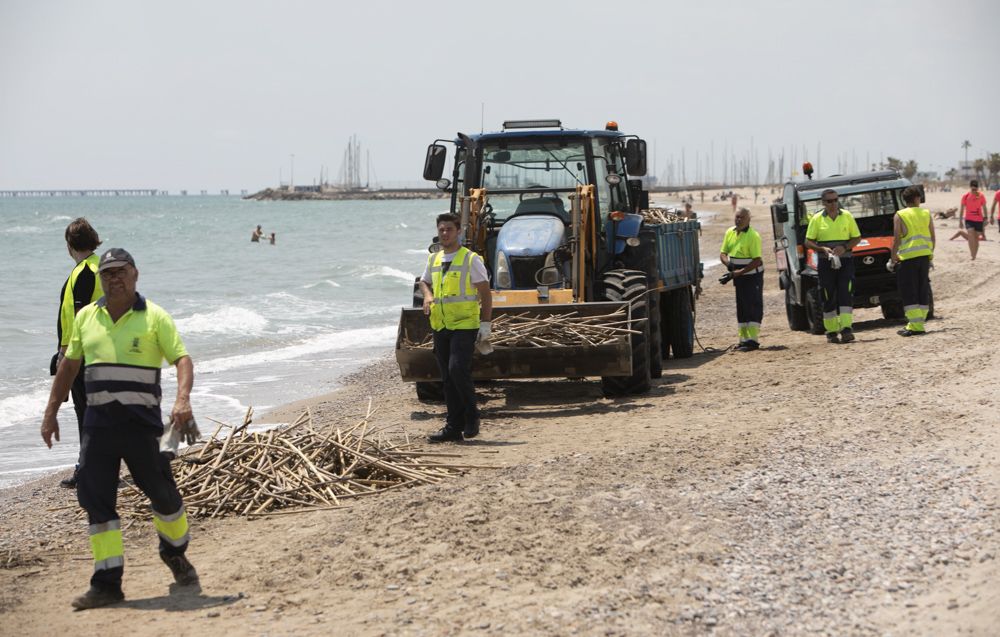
<point>68,369</point>
<point>428,296</point>
<point>753,265</point>
<point>933,236</point>
<point>725,259</point>
<point>897,237</point>
<point>485,301</point>
<point>185,380</point>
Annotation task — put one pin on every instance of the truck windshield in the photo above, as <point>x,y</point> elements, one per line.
<point>519,174</point>
<point>860,205</point>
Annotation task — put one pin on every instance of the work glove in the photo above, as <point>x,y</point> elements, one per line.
<point>890,265</point>
<point>189,432</point>
<point>726,278</point>
<point>484,332</point>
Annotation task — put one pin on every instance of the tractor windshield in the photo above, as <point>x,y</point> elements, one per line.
<point>532,175</point>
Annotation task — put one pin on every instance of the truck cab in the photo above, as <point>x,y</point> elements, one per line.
<point>872,198</point>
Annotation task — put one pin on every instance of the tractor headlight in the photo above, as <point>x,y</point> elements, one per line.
<point>503,272</point>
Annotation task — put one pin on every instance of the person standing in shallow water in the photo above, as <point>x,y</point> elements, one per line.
<point>457,300</point>
<point>81,288</point>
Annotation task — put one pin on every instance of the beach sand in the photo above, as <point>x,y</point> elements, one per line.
<point>802,488</point>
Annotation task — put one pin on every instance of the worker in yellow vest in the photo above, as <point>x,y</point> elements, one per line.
<point>81,288</point>
<point>124,338</point>
<point>833,234</point>
<point>912,250</point>
<point>456,289</point>
<point>741,254</point>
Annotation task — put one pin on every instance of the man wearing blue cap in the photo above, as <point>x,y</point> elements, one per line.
<point>124,339</point>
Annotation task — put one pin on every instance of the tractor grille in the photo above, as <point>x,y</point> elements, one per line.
<point>523,270</point>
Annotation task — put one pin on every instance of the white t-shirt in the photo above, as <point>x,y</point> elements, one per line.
<point>479,273</point>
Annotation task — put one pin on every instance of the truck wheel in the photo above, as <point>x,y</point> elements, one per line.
<point>893,310</point>
<point>431,391</point>
<point>814,311</point>
<point>630,285</point>
<point>681,324</point>
<point>655,336</point>
<point>797,319</point>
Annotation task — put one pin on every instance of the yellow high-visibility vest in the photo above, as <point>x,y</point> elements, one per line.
<point>917,240</point>
<point>456,304</point>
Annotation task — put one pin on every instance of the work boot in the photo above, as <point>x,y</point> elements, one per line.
<point>184,573</point>
<point>70,482</point>
<point>750,346</point>
<point>905,332</point>
<point>471,429</point>
<point>832,338</point>
<point>846,335</point>
<point>445,435</point>
<point>96,597</point>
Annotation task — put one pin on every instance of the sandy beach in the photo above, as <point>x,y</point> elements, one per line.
<point>803,488</point>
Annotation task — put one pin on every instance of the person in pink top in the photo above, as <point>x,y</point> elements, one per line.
<point>993,206</point>
<point>973,206</point>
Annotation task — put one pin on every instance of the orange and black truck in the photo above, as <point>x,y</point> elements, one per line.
<point>872,198</point>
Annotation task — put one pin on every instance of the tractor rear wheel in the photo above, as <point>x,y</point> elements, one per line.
<point>655,336</point>
<point>630,286</point>
<point>681,323</point>
<point>430,391</point>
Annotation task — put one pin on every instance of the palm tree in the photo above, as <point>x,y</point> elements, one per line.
<point>967,145</point>
<point>993,164</point>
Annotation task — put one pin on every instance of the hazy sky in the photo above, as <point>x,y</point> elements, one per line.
<point>220,93</point>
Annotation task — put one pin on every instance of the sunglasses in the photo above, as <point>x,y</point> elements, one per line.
<point>830,200</point>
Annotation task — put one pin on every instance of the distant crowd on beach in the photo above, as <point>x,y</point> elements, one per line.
<point>258,233</point>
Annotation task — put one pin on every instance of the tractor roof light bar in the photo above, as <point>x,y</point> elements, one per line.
<point>531,123</point>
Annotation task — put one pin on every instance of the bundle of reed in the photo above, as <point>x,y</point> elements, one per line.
<point>652,216</point>
<point>528,329</point>
<point>291,469</point>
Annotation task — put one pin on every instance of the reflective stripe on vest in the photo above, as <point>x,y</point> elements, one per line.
<point>742,263</point>
<point>126,384</point>
<point>456,304</point>
<point>916,241</point>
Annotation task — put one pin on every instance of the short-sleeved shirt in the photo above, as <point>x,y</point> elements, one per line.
<point>741,245</point>
<point>478,268</point>
<point>974,205</point>
<point>142,337</point>
<point>833,232</point>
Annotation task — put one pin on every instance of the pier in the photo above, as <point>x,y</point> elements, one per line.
<point>103,192</point>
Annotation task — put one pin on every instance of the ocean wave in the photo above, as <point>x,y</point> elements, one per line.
<point>416,251</point>
<point>390,273</point>
<point>17,410</point>
<point>348,339</point>
<point>61,218</point>
<point>24,230</point>
<point>330,282</point>
<point>223,321</point>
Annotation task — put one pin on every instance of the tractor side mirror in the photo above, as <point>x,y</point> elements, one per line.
<point>779,212</point>
<point>635,157</point>
<point>434,162</point>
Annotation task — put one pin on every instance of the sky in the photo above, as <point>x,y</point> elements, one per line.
<point>238,94</point>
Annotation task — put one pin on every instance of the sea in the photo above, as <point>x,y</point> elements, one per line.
<point>264,324</point>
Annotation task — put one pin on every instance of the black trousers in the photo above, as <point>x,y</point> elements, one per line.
<point>750,300</point>
<point>453,350</point>
<point>838,288</point>
<point>913,278</point>
<point>101,453</point>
